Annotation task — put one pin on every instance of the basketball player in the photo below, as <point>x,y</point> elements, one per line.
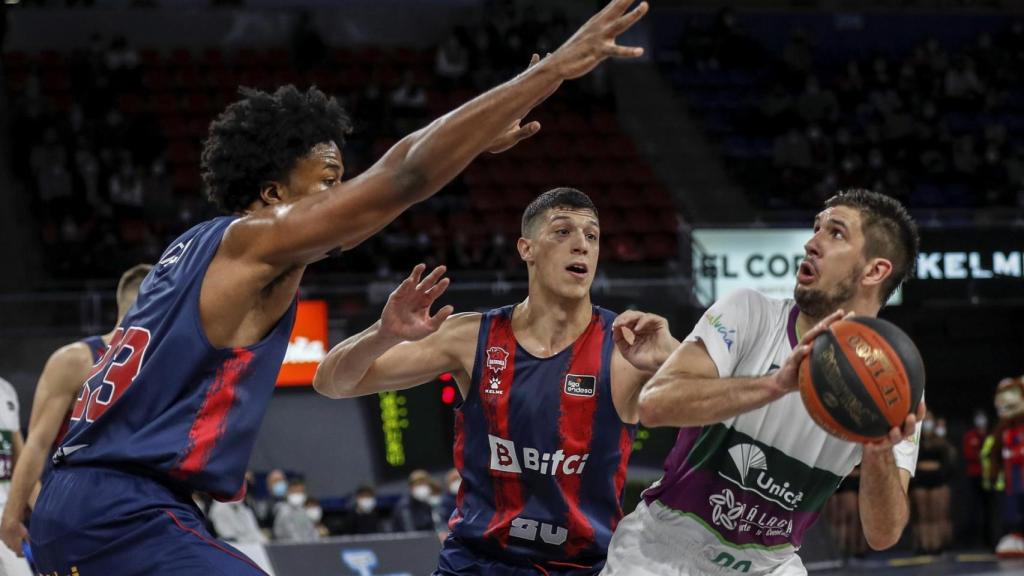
<point>11,448</point>
<point>175,403</point>
<point>545,431</point>
<point>751,471</point>
<point>59,385</point>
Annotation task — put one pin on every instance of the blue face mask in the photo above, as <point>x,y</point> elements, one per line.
<point>279,488</point>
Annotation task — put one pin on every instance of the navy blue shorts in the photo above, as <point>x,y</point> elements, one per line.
<point>459,560</point>
<point>100,521</point>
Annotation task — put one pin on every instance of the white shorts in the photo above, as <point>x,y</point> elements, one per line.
<point>11,565</point>
<point>640,547</point>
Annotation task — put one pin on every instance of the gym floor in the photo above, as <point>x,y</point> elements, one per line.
<point>952,564</point>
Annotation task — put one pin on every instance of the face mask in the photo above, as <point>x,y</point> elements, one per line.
<point>434,500</point>
<point>927,426</point>
<point>454,486</point>
<point>366,504</point>
<point>279,488</point>
<point>297,499</point>
<point>981,422</point>
<point>315,513</point>
<point>421,492</point>
<point>940,431</point>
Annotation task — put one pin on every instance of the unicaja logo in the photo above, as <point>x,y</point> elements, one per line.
<point>752,463</point>
<point>728,334</point>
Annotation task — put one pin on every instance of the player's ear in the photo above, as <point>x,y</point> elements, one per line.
<point>525,247</point>
<point>876,271</point>
<point>272,193</point>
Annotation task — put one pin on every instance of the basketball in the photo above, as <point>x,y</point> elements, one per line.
<point>862,377</point>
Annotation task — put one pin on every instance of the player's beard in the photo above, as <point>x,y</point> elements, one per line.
<point>818,303</point>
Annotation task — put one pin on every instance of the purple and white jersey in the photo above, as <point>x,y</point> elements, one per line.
<point>746,490</point>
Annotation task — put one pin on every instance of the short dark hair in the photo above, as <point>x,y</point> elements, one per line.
<point>260,137</point>
<point>556,198</point>
<point>889,232</point>
<point>129,282</point>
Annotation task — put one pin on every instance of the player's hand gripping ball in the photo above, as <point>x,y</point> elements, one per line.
<point>862,378</point>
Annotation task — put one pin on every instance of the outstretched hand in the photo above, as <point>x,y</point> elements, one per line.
<point>643,339</point>
<point>516,133</point>
<point>406,316</point>
<point>787,377</point>
<point>595,40</point>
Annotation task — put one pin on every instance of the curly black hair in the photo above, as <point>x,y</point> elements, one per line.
<point>260,137</point>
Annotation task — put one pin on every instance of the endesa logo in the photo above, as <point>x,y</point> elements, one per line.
<point>576,385</point>
<point>505,458</point>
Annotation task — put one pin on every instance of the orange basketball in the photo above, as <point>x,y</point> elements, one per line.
<point>862,377</point>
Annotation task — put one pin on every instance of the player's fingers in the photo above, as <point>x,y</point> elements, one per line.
<point>413,277</point>
<point>436,320</point>
<point>921,410</point>
<point>613,9</point>
<point>524,132</point>
<point>533,60</point>
<point>623,23</point>
<point>431,278</point>
<point>616,51</point>
<point>627,318</point>
<point>438,289</point>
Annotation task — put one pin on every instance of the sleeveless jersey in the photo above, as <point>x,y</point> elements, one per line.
<point>96,348</point>
<point>744,491</point>
<point>541,449</point>
<point>163,401</point>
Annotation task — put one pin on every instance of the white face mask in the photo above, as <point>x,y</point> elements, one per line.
<point>981,422</point>
<point>366,504</point>
<point>421,492</point>
<point>454,486</point>
<point>315,513</point>
<point>297,499</point>
<point>927,426</point>
<point>940,431</point>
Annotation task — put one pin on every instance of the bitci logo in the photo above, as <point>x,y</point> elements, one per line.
<point>577,385</point>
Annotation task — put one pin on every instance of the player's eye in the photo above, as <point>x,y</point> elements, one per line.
<point>330,181</point>
<point>591,236</point>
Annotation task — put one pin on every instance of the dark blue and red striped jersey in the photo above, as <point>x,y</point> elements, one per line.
<point>541,449</point>
<point>163,400</point>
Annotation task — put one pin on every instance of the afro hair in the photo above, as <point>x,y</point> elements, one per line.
<point>260,138</point>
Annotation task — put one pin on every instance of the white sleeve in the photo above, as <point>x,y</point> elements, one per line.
<point>906,452</point>
<point>725,329</point>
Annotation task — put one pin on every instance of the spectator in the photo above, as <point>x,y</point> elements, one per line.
<point>930,488</point>
<point>235,522</point>
<point>413,512</point>
<point>363,516</point>
<point>276,485</point>
<point>979,521</point>
<point>452,483</point>
<point>315,512</point>
<point>291,522</point>
<point>452,60</point>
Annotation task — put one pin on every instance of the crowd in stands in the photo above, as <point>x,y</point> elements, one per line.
<point>109,139</point>
<point>936,125</point>
<point>278,508</point>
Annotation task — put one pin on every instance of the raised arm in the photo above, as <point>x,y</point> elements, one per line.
<point>688,390</point>
<point>642,344</point>
<point>406,347</point>
<point>422,163</point>
<point>62,378</point>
